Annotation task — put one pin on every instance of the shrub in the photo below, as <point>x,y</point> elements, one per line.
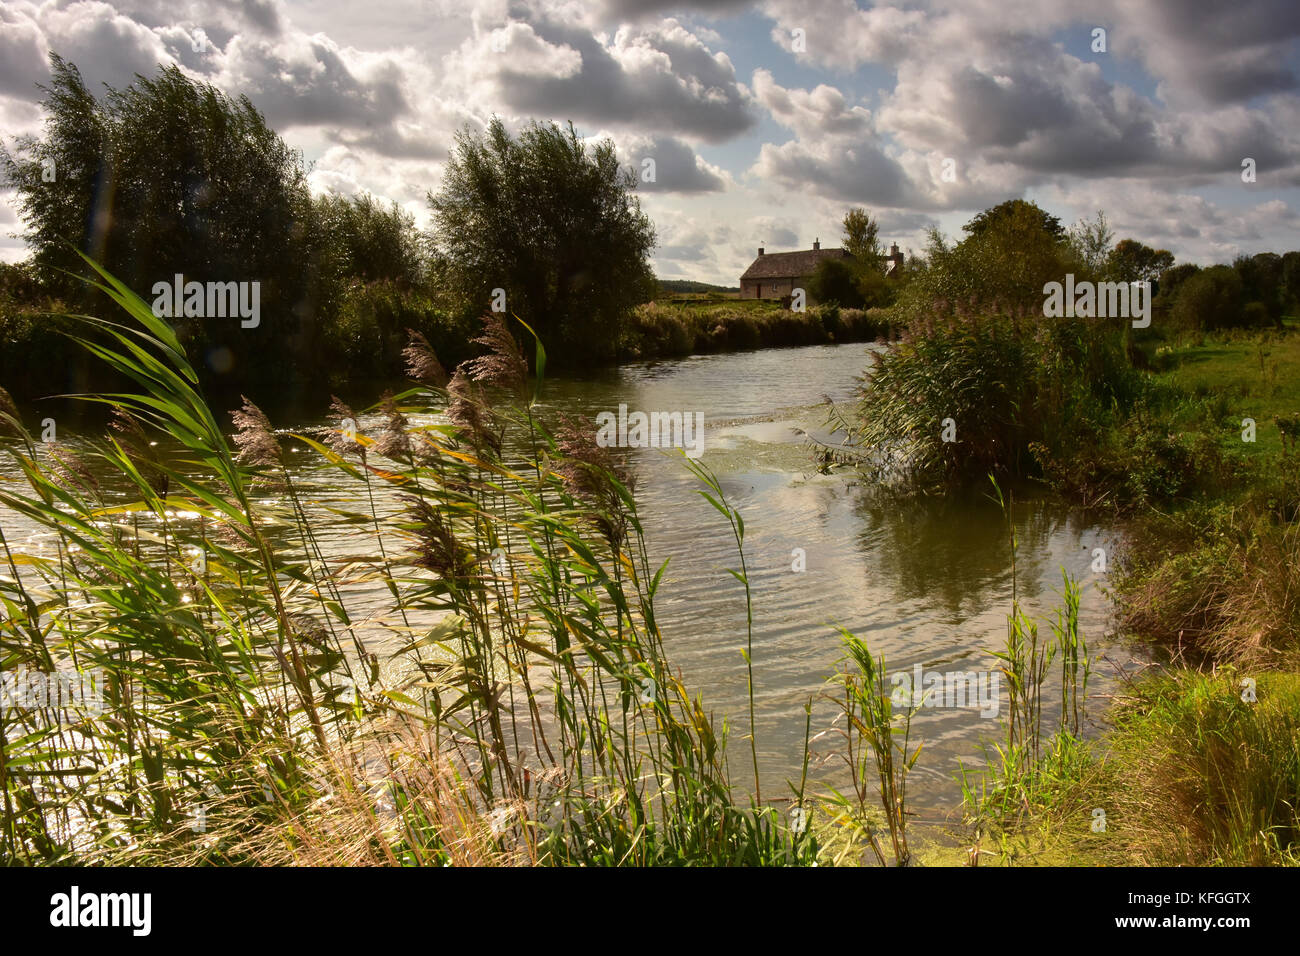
<point>1005,382</point>
<point>365,338</point>
<point>1210,299</point>
<point>836,280</point>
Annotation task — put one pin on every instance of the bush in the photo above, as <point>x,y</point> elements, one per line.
<point>836,280</point>
<point>656,330</point>
<point>1256,316</point>
<point>1210,299</point>
<point>366,337</point>
<point>1262,284</point>
<point>1006,384</point>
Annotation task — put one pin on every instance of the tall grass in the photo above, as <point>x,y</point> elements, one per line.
<point>878,751</point>
<point>1018,389</point>
<point>659,330</point>
<point>1032,767</point>
<point>530,715</point>
<point>1202,773</point>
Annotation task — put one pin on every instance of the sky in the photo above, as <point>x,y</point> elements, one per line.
<point>766,121</point>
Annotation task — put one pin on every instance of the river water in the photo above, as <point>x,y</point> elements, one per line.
<point>927,583</point>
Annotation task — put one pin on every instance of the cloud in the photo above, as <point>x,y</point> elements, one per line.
<point>914,108</point>
<point>1206,52</point>
<point>662,79</point>
<point>1193,227</point>
<point>835,151</point>
<point>840,35</point>
<point>106,46</point>
<point>301,80</point>
<point>677,167</point>
<point>22,53</point>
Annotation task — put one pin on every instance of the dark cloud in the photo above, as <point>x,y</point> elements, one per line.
<point>220,18</point>
<point>388,140</point>
<point>636,9</point>
<point>896,223</point>
<point>23,62</point>
<point>856,172</point>
<point>697,95</point>
<point>1213,51</point>
<point>310,84</point>
<point>677,167</point>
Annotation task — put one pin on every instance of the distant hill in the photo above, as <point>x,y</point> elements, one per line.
<point>678,286</point>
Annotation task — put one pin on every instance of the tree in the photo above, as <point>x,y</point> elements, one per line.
<point>172,176</point>
<point>1261,281</point>
<point>1132,261</point>
<point>836,280</point>
<point>371,242</point>
<point>862,237</point>
<point>1026,214</point>
<point>554,224</point>
<point>1291,280</point>
<point>1210,299</point>
<point>1011,252</point>
<point>1090,243</point>
<point>1172,279</point>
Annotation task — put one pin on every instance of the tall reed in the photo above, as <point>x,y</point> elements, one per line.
<point>877,748</point>
<point>530,699</point>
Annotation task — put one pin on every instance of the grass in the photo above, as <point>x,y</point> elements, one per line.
<point>246,716</point>
<point>1192,774</point>
<point>675,328</point>
<point>1253,376</point>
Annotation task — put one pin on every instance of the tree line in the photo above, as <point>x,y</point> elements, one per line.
<point>1010,251</point>
<point>170,176</point>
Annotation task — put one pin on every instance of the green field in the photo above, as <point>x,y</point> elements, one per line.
<point>1254,376</point>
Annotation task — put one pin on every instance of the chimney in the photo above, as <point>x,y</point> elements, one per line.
<point>817,243</point>
<point>760,250</point>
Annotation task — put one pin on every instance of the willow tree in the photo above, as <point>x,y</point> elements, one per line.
<point>552,222</point>
<point>170,175</point>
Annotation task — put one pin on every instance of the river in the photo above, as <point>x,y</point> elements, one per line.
<point>927,583</point>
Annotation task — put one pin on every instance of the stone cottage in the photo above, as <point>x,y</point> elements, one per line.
<point>775,275</point>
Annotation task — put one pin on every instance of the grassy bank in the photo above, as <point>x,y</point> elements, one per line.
<point>1192,445</point>
<point>689,326</point>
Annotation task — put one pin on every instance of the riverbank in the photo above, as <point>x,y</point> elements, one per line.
<point>1201,761</point>
<point>703,325</point>
<point>364,340</point>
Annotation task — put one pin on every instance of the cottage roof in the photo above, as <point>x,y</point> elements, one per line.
<point>791,265</point>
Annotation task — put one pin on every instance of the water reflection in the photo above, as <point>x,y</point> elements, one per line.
<point>926,582</point>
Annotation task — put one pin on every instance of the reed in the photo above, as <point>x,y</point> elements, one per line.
<point>1030,769</point>
<point>529,715</point>
<point>877,749</point>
